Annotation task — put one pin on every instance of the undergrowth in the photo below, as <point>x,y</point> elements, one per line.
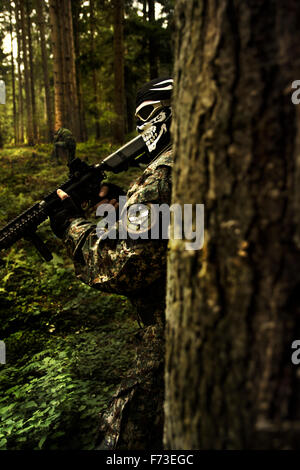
<point>68,346</point>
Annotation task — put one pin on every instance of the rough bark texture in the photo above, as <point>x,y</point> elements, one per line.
<point>66,58</point>
<point>65,86</point>
<point>74,95</point>
<point>57,67</point>
<point>20,79</point>
<point>119,92</point>
<point>76,9</point>
<point>41,26</point>
<point>94,71</point>
<point>13,77</point>
<point>153,62</point>
<point>29,122</point>
<point>31,72</point>
<point>233,308</point>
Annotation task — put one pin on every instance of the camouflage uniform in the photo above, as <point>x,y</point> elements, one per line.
<point>137,269</point>
<point>64,145</point>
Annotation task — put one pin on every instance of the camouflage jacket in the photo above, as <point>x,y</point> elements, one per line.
<point>135,268</point>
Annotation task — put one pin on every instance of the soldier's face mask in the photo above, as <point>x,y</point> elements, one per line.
<point>153,123</point>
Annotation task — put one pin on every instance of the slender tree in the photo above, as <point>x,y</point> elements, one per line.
<point>31,71</point>
<point>119,92</point>
<point>76,9</point>
<point>66,58</point>
<point>74,93</point>
<point>57,65</point>
<point>41,25</point>
<point>20,79</point>
<point>29,126</point>
<point>94,70</point>
<point>145,9</point>
<point>233,307</point>
<point>13,78</point>
<point>65,86</point>
<point>153,61</point>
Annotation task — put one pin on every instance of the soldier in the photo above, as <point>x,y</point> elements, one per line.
<point>135,268</point>
<point>64,146</point>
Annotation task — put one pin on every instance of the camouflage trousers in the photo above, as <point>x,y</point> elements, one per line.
<point>134,418</point>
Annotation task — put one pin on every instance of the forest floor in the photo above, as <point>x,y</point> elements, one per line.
<point>68,346</point>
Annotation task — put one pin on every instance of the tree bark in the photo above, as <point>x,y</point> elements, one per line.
<point>94,71</point>
<point>152,42</point>
<point>29,127</point>
<point>57,66</point>
<point>20,79</point>
<point>65,86</point>
<point>41,26</point>
<point>66,56</point>
<point>119,91</point>
<point>74,93</point>
<point>31,72</point>
<point>70,72</point>
<point>13,77</point>
<point>76,7</point>
<point>233,308</point>
<point>145,9</point>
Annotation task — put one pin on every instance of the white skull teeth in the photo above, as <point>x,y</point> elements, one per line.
<point>150,135</point>
<point>152,139</point>
<point>152,130</point>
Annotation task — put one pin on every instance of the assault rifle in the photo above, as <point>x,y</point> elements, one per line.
<point>83,185</point>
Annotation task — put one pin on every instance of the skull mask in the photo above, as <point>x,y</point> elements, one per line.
<point>156,131</point>
<point>154,115</point>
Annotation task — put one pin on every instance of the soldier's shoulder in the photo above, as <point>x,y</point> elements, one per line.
<point>155,182</point>
<point>165,159</point>
<point>63,135</point>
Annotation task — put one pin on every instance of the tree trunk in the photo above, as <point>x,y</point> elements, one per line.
<point>76,8</point>
<point>20,80</point>
<point>152,42</point>
<point>31,73</point>
<point>233,308</point>
<point>66,57</point>
<point>119,92</point>
<point>65,86</point>
<point>13,77</point>
<point>41,26</point>
<point>74,94</point>
<point>57,67</point>
<point>29,127</point>
<point>94,71</point>
<point>145,9</point>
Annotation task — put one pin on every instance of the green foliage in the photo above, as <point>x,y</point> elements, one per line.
<point>68,346</point>
<point>53,401</point>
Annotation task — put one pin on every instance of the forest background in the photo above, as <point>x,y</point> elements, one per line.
<point>75,64</point>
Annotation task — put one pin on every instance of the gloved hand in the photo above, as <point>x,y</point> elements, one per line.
<point>62,218</point>
<point>109,194</point>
